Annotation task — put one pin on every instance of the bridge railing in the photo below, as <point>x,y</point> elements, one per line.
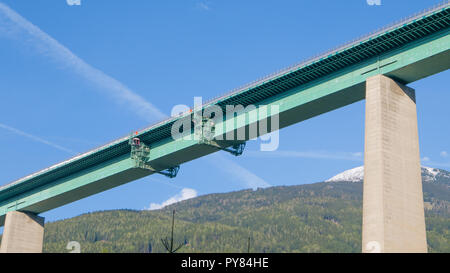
<point>334,50</point>
<point>257,82</point>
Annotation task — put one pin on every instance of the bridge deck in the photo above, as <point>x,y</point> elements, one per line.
<point>407,51</point>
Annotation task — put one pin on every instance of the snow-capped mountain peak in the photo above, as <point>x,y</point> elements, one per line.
<point>430,174</point>
<point>357,175</point>
<point>352,175</point>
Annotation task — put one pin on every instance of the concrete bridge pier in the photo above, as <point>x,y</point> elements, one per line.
<point>393,211</point>
<point>23,233</point>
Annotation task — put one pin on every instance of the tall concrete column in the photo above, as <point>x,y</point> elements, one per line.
<point>393,211</point>
<point>23,233</point>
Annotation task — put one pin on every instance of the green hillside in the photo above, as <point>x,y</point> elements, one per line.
<point>320,217</point>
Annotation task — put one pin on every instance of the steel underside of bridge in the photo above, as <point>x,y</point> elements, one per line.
<point>407,52</point>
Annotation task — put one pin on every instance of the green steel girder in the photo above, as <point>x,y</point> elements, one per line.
<point>407,53</point>
<point>419,27</point>
<point>90,181</point>
<point>337,90</point>
<point>415,62</point>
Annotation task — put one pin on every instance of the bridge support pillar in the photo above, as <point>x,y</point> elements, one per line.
<point>393,211</point>
<point>23,233</point>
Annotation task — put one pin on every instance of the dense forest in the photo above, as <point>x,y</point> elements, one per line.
<point>320,217</point>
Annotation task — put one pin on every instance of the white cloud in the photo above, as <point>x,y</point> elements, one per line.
<point>35,138</point>
<point>203,6</point>
<point>185,194</point>
<point>444,154</point>
<point>15,26</point>
<point>426,159</point>
<point>73,2</point>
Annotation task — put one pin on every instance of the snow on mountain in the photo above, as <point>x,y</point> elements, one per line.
<point>431,174</point>
<point>357,175</point>
<point>352,175</point>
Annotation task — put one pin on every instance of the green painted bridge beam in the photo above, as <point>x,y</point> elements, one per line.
<point>99,178</point>
<point>408,64</point>
<point>346,87</point>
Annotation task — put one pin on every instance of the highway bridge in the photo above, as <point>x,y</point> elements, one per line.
<point>384,61</point>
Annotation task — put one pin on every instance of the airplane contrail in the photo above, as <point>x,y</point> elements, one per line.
<point>47,45</point>
<point>13,23</point>
<point>35,138</point>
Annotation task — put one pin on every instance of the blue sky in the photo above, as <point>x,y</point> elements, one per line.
<point>75,77</point>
